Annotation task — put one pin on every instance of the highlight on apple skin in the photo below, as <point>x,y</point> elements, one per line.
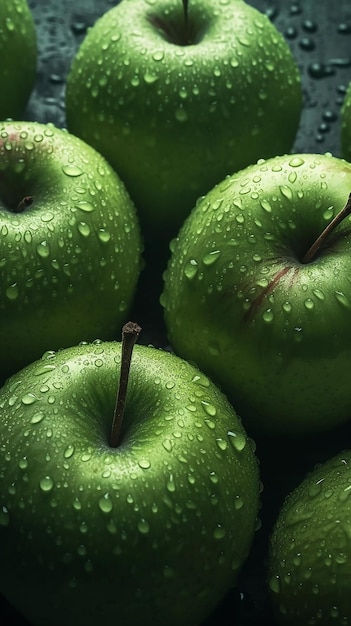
<point>70,246</point>
<point>175,101</point>
<point>153,531</point>
<point>244,302</point>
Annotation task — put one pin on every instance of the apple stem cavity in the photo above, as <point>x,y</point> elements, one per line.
<point>180,34</point>
<point>23,204</point>
<point>317,244</point>
<point>130,334</point>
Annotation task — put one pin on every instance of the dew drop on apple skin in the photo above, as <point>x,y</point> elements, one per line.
<point>28,399</point>
<point>46,484</point>
<point>191,269</point>
<point>237,440</point>
<point>105,503</point>
<point>342,299</point>
<point>12,292</point>
<point>143,526</point>
<point>72,170</point>
<point>4,516</point>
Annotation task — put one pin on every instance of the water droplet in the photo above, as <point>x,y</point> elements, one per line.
<point>87,207</point>
<point>342,299</point>
<point>144,463</point>
<point>181,114</point>
<point>4,516</point>
<point>104,235</point>
<point>286,192</point>
<point>274,584</point>
<point>268,316</point>
<point>105,503</point>
<point>221,444</point>
<point>296,161</point>
<point>43,249</point>
<point>46,484</point>
<point>84,229</point>
<point>143,527</point>
<point>69,451</point>
<point>309,304</point>
<point>72,170</point>
<point>150,78</point>
<point>209,408</point>
<point>191,269</point>
<point>12,292</point>
<point>266,205</point>
<point>167,444</point>
<point>211,257</point>
<point>29,398</point>
<point>237,440</point>
<point>170,484</point>
<point>219,532</point>
<point>37,417</point>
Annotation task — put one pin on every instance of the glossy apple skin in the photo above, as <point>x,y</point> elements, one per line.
<point>272,331</point>
<point>18,51</point>
<point>154,531</point>
<point>70,261</point>
<point>309,561</point>
<point>345,135</point>
<point>174,119</point>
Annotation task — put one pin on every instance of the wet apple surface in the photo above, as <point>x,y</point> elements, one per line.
<point>319,35</point>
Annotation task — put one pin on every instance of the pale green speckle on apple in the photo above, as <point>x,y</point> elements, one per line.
<point>241,299</point>
<point>153,531</point>
<point>176,98</point>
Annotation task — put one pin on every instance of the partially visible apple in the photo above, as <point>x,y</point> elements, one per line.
<point>70,244</point>
<point>150,526</point>
<point>178,94</point>
<point>309,565</point>
<point>18,53</point>
<point>245,300</point>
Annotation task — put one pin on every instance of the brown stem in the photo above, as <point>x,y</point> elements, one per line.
<point>130,334</point>
<point>339,217</point>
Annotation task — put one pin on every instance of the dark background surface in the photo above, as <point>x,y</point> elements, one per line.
<point>319,34</point>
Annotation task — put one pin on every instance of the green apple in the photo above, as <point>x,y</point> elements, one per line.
<point>149,527</point>
<point>18,52</point>
<point>309,561</point>
<point>70,244</point>
<point>346,125</point>
<point>244,300</point>
<point>177,95</point>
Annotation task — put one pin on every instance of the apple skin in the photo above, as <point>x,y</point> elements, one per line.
<point>69,262</point>
<point>309,560</point>
<point>345,133</point>
<point>271,331</point>
<point>174,119</point>
<point>154,531</point>
<point>18,51</point>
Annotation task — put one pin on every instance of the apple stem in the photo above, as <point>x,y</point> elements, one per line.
<point>339,217</point>
<point>130,334</point>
